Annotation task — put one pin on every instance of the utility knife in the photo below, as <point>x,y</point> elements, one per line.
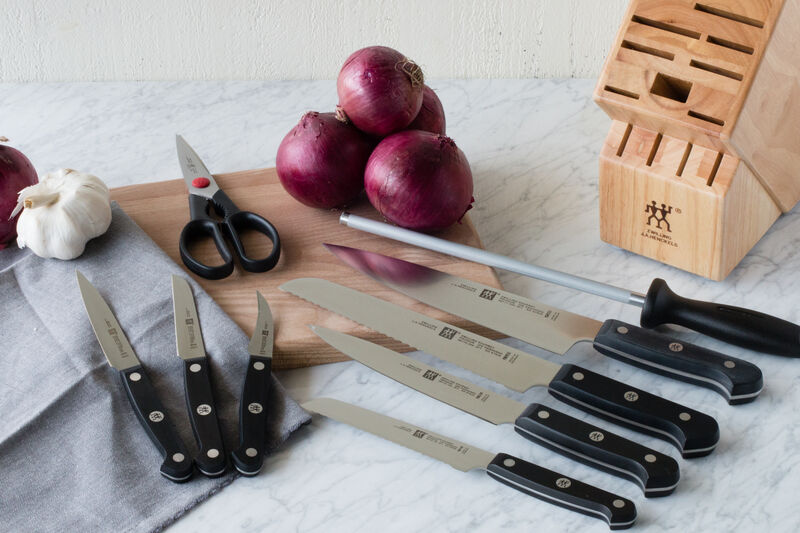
<point>177,465</point>
<point>556,330</point>
<point>211,460</point>
<point>249,456</point>
<point>694,433</point>
<point>534,480</point>
<point>657,474</point>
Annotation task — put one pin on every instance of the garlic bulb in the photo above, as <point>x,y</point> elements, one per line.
<point>62,212</point>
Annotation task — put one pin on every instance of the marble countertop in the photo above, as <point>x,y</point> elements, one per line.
<point>533,147</point>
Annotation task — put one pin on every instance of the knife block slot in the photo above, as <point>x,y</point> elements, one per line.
<point>672,88</point>
<point>701,93</point>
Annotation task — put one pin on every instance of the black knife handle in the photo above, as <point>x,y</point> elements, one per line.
<point>737,380</point>
<point>211,460</point>
<point>552,487</point>
<point>656,473</point>
<point>736,325</point>
<point>177,465</point>
<point>249,456</point>
<point>694,433</point>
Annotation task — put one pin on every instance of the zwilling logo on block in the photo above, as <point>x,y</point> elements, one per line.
<point>658,214</point>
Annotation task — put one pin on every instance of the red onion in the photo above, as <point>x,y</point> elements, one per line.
<point>16,173</point>
<point>321,160</point>
<point>419,180</point>
<point>380,90</point>
<point>431,114</point>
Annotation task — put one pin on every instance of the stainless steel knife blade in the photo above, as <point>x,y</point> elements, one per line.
<point>428,380</point>
<point>457,454</point>
<point>261,343</point>
<point>193,167</point>
<point>115,345</point>
<point>188,335</point>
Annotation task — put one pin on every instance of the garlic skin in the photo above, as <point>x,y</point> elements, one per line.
<point>62,212</point>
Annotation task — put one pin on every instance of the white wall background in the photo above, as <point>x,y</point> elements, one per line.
<point>66,40</point>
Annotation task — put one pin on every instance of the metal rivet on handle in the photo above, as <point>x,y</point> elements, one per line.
<point>729,364</point>
<point>213,453</point>
<point>194,367</point>
<point>203,409</point>
<point>156,416</point>
<point>509,462</point>
<point>563,483</point>
<point>631,396</point>
<point>622,330</point>
<point>619,504</point>
<point>178,457</point>
<point>135,376</point>
<point>676,346</point>
<point>258,365</point>
<point>578,376</point>
<point>255,408</point>
<point>251,452</point>
<point>685,417</point>
<point>596,436</point>
<point>543,414</point>
<point>650,458</point>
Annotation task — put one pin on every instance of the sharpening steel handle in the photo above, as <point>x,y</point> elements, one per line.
<point>736,325</point>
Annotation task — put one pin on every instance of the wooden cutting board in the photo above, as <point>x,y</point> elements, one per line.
<point>162,209</point>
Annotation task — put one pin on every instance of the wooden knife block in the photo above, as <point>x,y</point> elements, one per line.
<point>704,151</point>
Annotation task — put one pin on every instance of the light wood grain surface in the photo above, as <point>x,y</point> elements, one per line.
<point>162,209</point>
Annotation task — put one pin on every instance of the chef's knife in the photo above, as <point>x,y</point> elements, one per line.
<point>744,327</point>
<point>249,456</point>
<point>657,474</point>
<point>556,330</point>
<point>177,465</point>
<point>546,485</point>
<point>694,433</point>
<point>197,381</point>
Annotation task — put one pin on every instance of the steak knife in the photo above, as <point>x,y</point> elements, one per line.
<point>197,381</point>
<point>555,330</point>
<point>657,474</point>
<point>177,465</point>
<point>249,456</point>
<point>694,433</point>
<point>539,482</point>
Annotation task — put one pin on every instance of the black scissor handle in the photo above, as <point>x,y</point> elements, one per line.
<point>199,229</point>
<point>246,220</point>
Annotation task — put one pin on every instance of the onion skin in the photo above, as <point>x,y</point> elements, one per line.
<point>16,173</point>
<point>419,180</point>
<point>380,96</point>
<point>431,114</point>
<point>321,160</point>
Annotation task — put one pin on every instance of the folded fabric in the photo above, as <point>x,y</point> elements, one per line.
<point>73,455</point>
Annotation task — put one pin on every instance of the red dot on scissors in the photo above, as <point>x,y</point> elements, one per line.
<point>201,183</point>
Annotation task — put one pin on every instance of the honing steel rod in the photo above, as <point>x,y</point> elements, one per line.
<point>743,327</point>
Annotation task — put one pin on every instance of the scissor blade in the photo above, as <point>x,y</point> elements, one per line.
<point>188,335</point>
<point>192,167</point>
<point>109,334</point>
<point>261,341</point>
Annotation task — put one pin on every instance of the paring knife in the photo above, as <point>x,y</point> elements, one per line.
<point>177,465</point>
<point>657,474</point>
<point>556,330</point>
<point>541,483</point>
<point>744,327</point>
<point>249,456</point>
<point>694,433</point>
<point>197,381</point>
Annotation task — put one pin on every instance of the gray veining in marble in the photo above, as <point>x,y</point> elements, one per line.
<point>533,148</point>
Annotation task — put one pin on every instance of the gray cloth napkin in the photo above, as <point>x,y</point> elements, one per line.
<point>73,456</point>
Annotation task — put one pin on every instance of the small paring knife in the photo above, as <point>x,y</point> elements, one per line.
<point>211,460</point>
<point>657,474</point>
<point>556,330</point>
<point>177,465</point>
<point>531,479</point>
<point>249,456</point>
<point>694,433</point>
